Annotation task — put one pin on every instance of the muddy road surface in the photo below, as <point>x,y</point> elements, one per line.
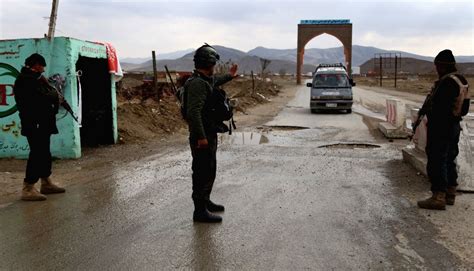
<point>303,191</point>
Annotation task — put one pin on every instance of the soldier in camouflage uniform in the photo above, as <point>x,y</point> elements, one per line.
<point>203,130</point>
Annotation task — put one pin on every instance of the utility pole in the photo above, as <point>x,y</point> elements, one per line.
<point>52,19</point>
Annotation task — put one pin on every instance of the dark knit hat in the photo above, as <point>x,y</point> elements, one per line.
<point>35,59</point>
<point>445,57</point>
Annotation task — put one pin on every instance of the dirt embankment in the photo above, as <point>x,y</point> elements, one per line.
<point>415,84</point>
<point>142,115</point>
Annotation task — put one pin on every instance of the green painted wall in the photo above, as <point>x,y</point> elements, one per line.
<point>61,56</point>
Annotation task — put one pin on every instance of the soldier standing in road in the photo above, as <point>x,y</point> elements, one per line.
<point>203,129</point>
<point>444,108</point>
<point>38,105</point>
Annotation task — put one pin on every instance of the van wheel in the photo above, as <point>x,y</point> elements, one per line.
<point>349,111</point>
<point>314,111</point>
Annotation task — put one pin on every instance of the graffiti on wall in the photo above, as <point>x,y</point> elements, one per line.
<point>13,147</point>
<point>88,49</point>
<point>7,101</point>
<point>9,128</point>
<point>12,127</point>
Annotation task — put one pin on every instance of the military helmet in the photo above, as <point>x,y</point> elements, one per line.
<point>205,56</point>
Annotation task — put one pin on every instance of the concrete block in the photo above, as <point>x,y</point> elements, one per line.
<point>395,112</point>
<point>415,158</point>
<point>465,160</point>
<point>420,136</point>
<point>392,132</point>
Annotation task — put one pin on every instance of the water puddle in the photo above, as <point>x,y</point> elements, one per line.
<point>244,138</point>
<point>350,146</point>
<point>286,127</point>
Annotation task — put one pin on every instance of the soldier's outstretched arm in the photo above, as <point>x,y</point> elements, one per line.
<point>220,80</point>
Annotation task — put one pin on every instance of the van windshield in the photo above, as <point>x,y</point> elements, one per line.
<point>331,80</point>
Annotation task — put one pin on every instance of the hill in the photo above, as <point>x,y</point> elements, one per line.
<point>360,54</point>
<point>172,55</point>
<point>283,60</point>
<point>246,62</point>
<point>415,66</point>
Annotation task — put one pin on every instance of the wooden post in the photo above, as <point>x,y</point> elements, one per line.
<point>253,83</point>
<point>155,79</point>
<point>396,67</point>
<point>380,71</point>
<point>52,19</point>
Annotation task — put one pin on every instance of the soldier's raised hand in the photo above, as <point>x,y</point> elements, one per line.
<point>233,70</point>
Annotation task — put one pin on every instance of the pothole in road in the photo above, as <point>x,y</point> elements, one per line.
<point>245,138</point>
<point>286,127</point>
<point>350,146</point>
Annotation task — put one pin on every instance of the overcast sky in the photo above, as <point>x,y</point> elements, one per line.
<point>137,27</point>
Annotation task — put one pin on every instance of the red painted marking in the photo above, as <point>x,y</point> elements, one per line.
<point>4,95</point>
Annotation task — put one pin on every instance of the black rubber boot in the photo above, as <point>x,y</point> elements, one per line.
<point>201,214</point>
<point>214,208</point>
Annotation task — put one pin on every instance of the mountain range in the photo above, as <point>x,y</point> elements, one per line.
<point>159,56</point>
<point>282,60</point>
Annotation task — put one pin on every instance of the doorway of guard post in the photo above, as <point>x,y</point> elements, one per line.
<point>97,114</point>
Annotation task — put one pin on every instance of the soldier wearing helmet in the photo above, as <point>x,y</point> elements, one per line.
<point>203,130</point>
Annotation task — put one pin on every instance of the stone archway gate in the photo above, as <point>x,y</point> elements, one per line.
<point>309,29</point>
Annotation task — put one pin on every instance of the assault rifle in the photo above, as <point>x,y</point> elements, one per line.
<point>173,86</point>
<point>62,100</point>
<point>427,103</point>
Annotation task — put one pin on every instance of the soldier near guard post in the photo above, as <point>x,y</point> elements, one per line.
<point>38,105</point>
<point>201,114</point>
<point>444,107</point>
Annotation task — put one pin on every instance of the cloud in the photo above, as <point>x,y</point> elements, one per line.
<point>422,43</point>
<point>137,27</point>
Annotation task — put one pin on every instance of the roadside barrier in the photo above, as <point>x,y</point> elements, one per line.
<point>394,127</point>
<point>419,136</point>
<point>395,113</point>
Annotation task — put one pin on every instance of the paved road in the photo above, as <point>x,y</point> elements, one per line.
<point>291,204</point>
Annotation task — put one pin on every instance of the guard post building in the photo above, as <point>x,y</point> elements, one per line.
<point>89,88</point>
